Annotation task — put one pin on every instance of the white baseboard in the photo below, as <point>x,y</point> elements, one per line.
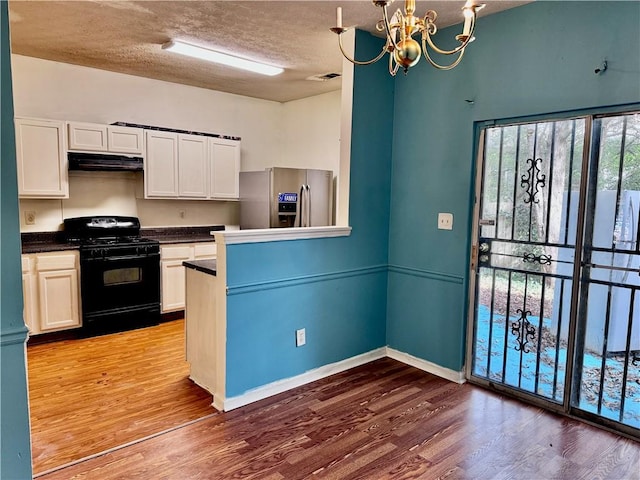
<point>302,379</point>
<point>280,386</point>
<point>426,366</point>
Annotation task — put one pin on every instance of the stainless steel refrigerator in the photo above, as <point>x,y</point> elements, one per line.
<point>286,197</point>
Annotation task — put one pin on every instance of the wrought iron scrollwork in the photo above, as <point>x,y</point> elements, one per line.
<point>635,361</point>
<point>523,330</point>
<point>541,259</point>
<point>533,181</point>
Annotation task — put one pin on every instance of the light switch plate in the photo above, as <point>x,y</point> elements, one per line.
<point>445,221</point>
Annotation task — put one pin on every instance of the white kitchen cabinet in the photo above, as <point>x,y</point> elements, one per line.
<point>161,165</point>
<point>95,137</point>
<point>87,137</point>
<point>224,168</point>
<point>29,295</point>
<point>172,280</point>
<point>51,291</point>
<point>192,166</point>
<point>41,158</point>
<point>125,140</point>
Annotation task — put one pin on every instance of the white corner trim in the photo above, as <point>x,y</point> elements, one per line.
<point>426,366</point>
<point>218,403</point>
<point>280,386</point>
<point>279,234</point>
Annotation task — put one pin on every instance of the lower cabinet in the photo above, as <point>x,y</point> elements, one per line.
<point>173,273</point>
<point>51,291</point>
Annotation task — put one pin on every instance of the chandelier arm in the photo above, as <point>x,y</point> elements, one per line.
<point>437,65</point>
<point>459,48</point>
<point>393,70</point>
<point>356,62</point>
<point>387,26</point>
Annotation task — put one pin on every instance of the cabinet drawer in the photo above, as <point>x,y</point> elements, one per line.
<point>205,250</point>
<point>26,264</point>
<point>55,262</point>
<point>175,253</point>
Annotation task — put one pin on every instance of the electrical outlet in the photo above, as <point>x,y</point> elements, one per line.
<point>301,337</point>
<point>30,217</point>
<point>445,221</point>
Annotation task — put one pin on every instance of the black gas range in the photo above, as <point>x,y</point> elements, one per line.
<point>119,273</point>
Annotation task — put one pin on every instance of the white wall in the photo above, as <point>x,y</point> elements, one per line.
<point>311,129</point>
<point>303,133</point>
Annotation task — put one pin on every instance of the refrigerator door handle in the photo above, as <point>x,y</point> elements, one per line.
<point>308,206</point>
<point>300,212</point>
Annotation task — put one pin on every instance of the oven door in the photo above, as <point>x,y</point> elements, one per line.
<point>113,286</point>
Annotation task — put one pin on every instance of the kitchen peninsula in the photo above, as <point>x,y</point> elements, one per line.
<point>205,328</point>
<point>233,355</point>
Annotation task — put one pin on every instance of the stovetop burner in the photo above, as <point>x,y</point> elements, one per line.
<point>106,236</point>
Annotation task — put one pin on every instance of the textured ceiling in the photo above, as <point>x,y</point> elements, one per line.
<point>126,37</point>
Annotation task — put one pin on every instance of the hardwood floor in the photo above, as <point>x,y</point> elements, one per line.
<point>384,420</point>
<point>93,394</point>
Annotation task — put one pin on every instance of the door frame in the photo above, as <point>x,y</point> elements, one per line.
<point>565,408</point>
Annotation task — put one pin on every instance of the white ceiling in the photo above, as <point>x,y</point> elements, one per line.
<point>126,37</point>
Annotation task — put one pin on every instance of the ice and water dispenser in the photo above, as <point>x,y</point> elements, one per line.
<point>287,209</point>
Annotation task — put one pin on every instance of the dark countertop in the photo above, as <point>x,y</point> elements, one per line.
<point>205,266</point>
<point>39,242</point>
<point>40,247</point>
<point>181,234</point>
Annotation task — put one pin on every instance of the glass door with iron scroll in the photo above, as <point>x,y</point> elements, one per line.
<point>606,377</point>
<point>556,266</point>
<point>527,229</point>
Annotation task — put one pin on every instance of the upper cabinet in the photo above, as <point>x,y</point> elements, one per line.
<point>177,164</point>
<point>224,168</point>
<point>41,157</point>
<point>94,137</point>
<point>161,165</point>
<point>191,167</point>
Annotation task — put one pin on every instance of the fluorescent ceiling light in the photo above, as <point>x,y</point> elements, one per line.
<point>222,58</point>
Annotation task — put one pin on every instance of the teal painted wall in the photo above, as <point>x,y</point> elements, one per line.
<point>535,59</point>
<point>336,288</point>
<point>15,446</point>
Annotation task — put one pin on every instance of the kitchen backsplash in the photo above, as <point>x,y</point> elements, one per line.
<point>119,193</point>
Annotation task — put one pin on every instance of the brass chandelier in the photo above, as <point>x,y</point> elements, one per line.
<point>403,50</point>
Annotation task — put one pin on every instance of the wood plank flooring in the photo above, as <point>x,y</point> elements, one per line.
<point>92,394</point>
<point>384,420</point>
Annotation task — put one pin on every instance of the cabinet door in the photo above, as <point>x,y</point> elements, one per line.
<point>192,166</point>
<point>173,285</point>
<point>87,137</point>
<point>58,296</point>
<point>161,165</point>
<point>29,295</point>
<point>224,168</point>
<point>125,140</point>
<point>42,162</point>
